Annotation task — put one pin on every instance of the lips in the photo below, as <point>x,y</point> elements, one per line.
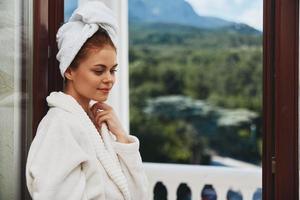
<point>104,89</point>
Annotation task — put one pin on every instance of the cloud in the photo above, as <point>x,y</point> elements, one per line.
<point>253,17</point>
<point>245,11</point>
<point>238,1</point>
<point>206,7</point>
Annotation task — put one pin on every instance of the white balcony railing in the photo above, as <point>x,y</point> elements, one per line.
<point>196,176</point>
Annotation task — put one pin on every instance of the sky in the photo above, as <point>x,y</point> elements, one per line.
<point>246,11</point>
<point>70,6</point>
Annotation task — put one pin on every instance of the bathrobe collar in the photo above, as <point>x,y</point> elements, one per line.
<point>102,144</point>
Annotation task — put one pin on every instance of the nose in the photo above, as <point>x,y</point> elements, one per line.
<point>108,77</point>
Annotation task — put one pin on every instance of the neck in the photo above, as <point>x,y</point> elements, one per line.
<point>83,101</point>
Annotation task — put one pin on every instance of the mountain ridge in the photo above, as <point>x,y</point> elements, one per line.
<point>177,12</point>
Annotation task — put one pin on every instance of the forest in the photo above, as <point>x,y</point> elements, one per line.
<point>195,93</point>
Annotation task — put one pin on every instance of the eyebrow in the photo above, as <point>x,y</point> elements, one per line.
<point>102,65</point>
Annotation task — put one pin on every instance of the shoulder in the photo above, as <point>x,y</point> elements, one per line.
<point>59,128</point>
<point>56,134</point>
<point>56,116</point>
<point>59,122</point>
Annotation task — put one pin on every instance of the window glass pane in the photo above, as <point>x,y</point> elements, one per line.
<point>14,37</point>
<point>195,76</point>
<point>69,6</point>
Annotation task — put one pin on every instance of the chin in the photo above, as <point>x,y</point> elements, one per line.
<point>100,99</point>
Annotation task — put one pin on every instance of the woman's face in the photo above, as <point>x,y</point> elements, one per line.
<point>95,75</point>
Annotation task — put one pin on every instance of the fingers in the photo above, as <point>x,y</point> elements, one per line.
<point>102,119</point>
<point>101,114</point>
<point>99,107</point>
<point>102,106</point>
<point>94,108</point>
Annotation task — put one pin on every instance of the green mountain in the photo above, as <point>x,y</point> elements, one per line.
<point>159,34</point>
<point>176,12</point>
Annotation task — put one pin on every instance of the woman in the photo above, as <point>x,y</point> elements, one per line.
<point>80,150</point>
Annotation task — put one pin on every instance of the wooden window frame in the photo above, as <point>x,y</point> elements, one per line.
<point>280,104</point>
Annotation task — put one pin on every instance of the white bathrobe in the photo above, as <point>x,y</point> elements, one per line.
<point>70,160</point>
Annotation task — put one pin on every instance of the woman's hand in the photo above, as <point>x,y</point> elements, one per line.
<point>103,113</point>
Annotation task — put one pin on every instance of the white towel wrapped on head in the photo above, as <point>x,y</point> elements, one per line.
<point>83,23</point>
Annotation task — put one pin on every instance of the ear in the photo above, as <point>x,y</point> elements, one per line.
<point>69,74</point>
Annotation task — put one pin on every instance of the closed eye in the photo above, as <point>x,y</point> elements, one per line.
<point>113,71</point>
<point>98,72</point>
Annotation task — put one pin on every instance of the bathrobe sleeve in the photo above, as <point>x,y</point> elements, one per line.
<point>54,165</point>
<point>132,166</point>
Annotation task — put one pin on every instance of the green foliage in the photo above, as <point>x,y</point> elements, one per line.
<point>168,140</point>
<point>220,67</point>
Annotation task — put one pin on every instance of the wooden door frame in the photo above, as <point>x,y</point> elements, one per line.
<point>280,97</point>
<point>46,76</point>
<point>268,97</point>
<point>286,99</point>
<point>280,100</point>
<point>47,17</point>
